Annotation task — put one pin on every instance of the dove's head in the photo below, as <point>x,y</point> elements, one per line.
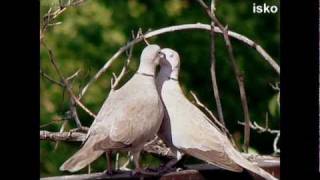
<point>150,55</point>
<point>170,60</point>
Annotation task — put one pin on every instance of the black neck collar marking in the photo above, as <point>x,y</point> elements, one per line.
<point>171,78</point>
<point>145,74</point>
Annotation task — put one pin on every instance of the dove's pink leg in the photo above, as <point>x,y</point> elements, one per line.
<point>136,160</point>
<point>138,170</point>
<point>109,169</point>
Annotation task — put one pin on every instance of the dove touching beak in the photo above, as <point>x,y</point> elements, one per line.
<point>162,56</point>
<point>159,56</point>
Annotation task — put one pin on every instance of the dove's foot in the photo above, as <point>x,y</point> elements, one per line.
<point>148,169</point>
<point>170,166</point>
<point>141,172</point>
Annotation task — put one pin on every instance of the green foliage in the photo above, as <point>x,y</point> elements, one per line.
<point>94,31</point>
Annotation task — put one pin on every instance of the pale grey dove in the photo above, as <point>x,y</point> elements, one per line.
<point>129,117</point>
<point>189,130</point>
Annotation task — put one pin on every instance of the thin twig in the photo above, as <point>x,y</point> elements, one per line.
<point>155,146</point>
<point>200,26</point>
<point>61,130</point>
<point>48,19</point>
<point>140,34</point>
<point>237,72</point>
<point>43,74</point>
<point>124,167</point>
<point>214,119</point>
<point>277,88</point>
<point>73,98</point>
<point>213,70</point>
<point>67,85</point>
<point>116,79</point>
<point>261,129</point>
<point>73,75</point>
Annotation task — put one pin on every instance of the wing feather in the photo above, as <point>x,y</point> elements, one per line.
<point>127,114</point>
<point>190,130</point>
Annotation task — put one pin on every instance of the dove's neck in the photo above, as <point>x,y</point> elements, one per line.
<point>147,68</point>
<point>166,75</point>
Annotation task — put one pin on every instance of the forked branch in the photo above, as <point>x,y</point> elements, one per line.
<point>237,72</point>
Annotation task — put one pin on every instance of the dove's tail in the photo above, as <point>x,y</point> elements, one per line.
<point>243,162</point>
<point>86,155</point>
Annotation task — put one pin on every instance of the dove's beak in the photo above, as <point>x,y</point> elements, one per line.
<point>162,56</point>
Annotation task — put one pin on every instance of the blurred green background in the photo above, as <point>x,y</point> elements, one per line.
<point>92,32</point>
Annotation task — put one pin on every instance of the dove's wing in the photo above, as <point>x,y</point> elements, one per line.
<point>129,115</point>
<point>191,130</point>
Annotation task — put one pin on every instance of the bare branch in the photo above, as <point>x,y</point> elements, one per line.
<point>214,119</point>
<point>116,80</point>
<point>48,19</point>
<point>237,72</point>
<point>261,129</point>
<point>155,146</point>
<point>43,74</point>
<point>61,130</point>
<point>73,99</point>
<point>73,75</point>
<point>62,136</point>
<point>200,26</point>
<point>66,84</point>
<point>213,70</point>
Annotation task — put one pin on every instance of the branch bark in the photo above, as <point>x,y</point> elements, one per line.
<point>116,79</point>
<point>62,136</point>
<point>261,129</point>
<point>237,72</point>
<point>73,99</point>
<point>213,69</point>
<point>48,19</point>
<point>155,146</point>
<point>183,27</point>
<point>43,74</point>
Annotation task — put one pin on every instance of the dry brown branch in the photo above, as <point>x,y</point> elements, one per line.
<point>73,109</point>
<point>50,17</point>
<point>237,72</point>
<point>73,99</point>
<point>62,136</point>
<point>116,79</point>
<point>155,146</point>
<point>261,129</point>
<point>43,74</point>
<point>200,26</point>
<point>213,70</point>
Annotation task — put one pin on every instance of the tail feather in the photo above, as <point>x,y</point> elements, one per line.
<point>239,159</point>
<point>86,155</point>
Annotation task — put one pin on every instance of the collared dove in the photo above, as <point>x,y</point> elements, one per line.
<point>187,129</point>
<point>129,117</point>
